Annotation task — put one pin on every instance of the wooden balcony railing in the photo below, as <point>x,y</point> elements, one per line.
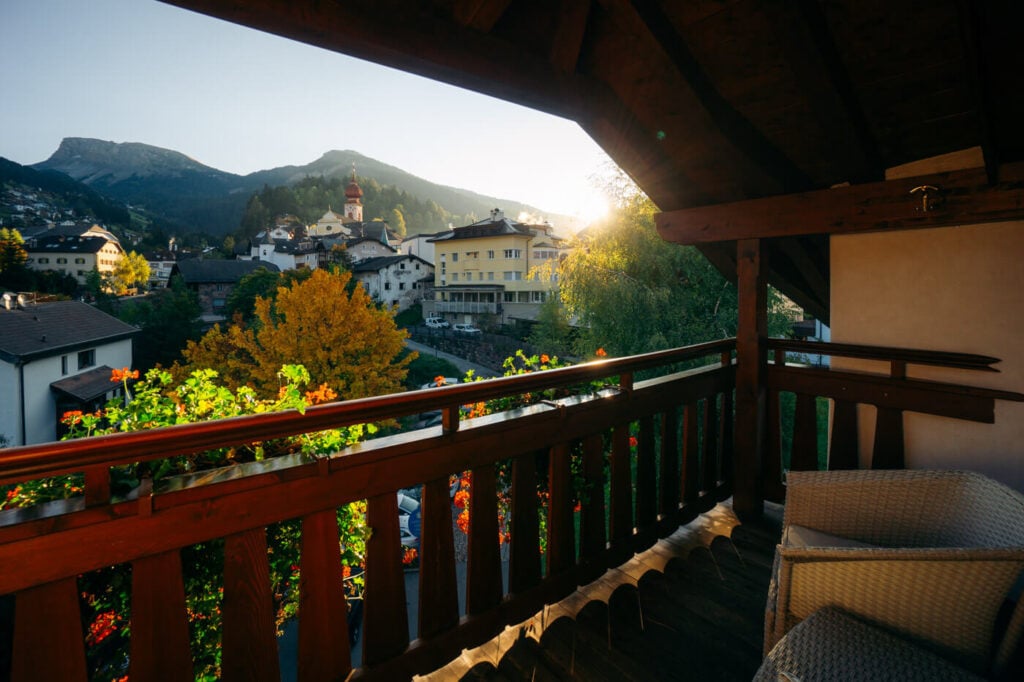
<point>680,465</point>
<point>891,394</point>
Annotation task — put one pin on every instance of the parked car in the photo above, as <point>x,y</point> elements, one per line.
<point>437,323</point>
<point>409,520</point>
<point>466,329</point>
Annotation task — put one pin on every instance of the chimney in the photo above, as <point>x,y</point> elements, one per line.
<point>497,214</point>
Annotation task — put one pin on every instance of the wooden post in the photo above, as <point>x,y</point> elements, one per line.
<point>748,499</point>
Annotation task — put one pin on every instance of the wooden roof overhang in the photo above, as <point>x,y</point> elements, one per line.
<point>735,116</point>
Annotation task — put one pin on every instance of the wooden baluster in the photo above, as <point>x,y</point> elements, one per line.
<point>323,614</point>
<point>709,468</point>
<point>888,451</point>
<point>773,488</point>
<point>385,619</point>
<point>646,477</point>
<point>844,448</point>
<point>249,641</point>
<point>691,453</point>
<point>524,553</point>
<point>483,578</point>
<point>97,486</point>
<point>439,600</point>
<point>160,647</point>
<point>561,552</point>
<point>48,642</point>
<point>726,438</point>
<point>668,477</point>
<point>621,500</point>
<point>592,517</point>
<point>804,456</point>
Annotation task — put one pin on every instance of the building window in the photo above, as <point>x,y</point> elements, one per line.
<point>387,286</point>
<point>539,296</point>
<point>401,286</point>
<point>44,260</point>
<point>490,255</point>
<point>63,364</point>
<point>455,277</point>
<point>510,297</point>
<point>218,303</point>
<point>490,276</point>
<point>513,276</point>
<point>62,261</point>
<point>401,266</point>
<point>513,253</point>
<point>472,254</point>
<point>455,256</point>
<point>87,358</point>
<point>417,266</point>
<point>79,261</point>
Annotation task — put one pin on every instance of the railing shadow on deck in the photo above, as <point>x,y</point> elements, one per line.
<point>674,469</point>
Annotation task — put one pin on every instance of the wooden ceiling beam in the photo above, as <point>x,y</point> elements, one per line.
<point>481,15</point>
<point>974,61</point>
<point>734,126</point>
<point>811,54</point>
<point>569,32</point>
<point>962,198</point>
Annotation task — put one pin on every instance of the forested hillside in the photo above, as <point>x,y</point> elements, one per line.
<point>310,197</point>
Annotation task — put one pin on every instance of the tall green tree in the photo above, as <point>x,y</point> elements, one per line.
<point>633,292</point>
<point>14,273</point>
<point>552,332</point>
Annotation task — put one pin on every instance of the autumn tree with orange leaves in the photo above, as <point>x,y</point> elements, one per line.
<point>342,338</point>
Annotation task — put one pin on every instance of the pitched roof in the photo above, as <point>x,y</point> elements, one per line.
<point>86,386</point>
<point>63,244</point>
<point>488,227</point>
<point>380,262</point>
<point>46,329</point>
<point>210,271</point>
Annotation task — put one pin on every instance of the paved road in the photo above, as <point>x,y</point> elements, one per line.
<point>463,364</point>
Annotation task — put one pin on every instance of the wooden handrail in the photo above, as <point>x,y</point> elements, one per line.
<point>45,547</point>
<point>887,354</point>
<point>53,459</point>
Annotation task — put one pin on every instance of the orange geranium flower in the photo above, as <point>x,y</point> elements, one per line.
<point>544,359</point>
<point>123,374</point>
<point>600,353</point>
<point>439,380</point>
<point>72,415</point>
<point>323,394</point>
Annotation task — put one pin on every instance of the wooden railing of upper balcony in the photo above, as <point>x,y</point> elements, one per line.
<point>680,465</point>
<point>891,393</point>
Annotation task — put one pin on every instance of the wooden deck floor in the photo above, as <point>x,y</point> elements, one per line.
<point>692,607</point>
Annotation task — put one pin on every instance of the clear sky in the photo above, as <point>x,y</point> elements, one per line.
<point>241,100</point>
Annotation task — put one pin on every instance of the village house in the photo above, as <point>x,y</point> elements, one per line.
<point>55,357</point>
<point>75,256</point>
<point>396,280</point>
<point>495,269</point>
<point>214,280</point>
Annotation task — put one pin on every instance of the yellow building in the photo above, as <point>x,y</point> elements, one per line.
<point>492,271</point>
<point>73,255</point>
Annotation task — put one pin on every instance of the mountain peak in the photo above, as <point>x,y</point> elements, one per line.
<point>86,159</point>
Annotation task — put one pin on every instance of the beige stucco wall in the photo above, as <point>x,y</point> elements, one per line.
<point>950,289</point>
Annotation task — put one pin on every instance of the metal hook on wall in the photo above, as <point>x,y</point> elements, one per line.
<point>929,197</point>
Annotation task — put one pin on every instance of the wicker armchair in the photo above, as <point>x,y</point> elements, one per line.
<point>935,555</point>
